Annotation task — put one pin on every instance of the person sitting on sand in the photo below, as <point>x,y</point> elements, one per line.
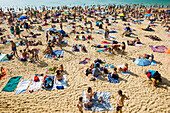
<point>96,71</point>
<point>156,76</point>
<point>2,73</point>
<point>120,103</point>
<point>24,55</point>
<point>3,40</point>
<point>10,56</point>
<point>115,47</point>
<point>34,53</point>
<point>61,68</point>
<point>124,69</point>
<point>48,50</point>
<point>80,104</point>
<point>77,37</point>
<point>114,74</point>
<point>83,38</point>
<point>89,94</point>
<point>137,40</point>
<point>168,30</point>
<point>83,49</point>
<point>59,75</point>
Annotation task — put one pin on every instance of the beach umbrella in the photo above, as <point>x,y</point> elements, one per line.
<point>52,29</point>
<point>148,15</point>
<point>167,51</point>
<point>22,17</point>
<point>58,14</point>
<point>121,15</point>
<point>142,62</point>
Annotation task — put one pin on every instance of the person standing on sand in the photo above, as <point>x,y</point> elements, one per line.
<point>106,33</point>
<point>14,48</point>
<point>60,38</point>
<point>120,103</point>
<point>61,25</point>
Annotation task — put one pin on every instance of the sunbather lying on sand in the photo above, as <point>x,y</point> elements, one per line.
<point>31,34</point>
<point>153,37</point>
<point>149,57</point>
<point>100,46</point>
<point>124,69</point>
<point>136,41</point>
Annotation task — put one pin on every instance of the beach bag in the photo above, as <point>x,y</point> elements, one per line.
<point>36,79</point>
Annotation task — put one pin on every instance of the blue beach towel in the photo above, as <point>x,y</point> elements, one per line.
<point>56,53</point>
<point>112,80</point>
<point>97,107</point>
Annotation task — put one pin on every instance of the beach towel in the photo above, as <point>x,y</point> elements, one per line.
<point>99,32</point>
<point>3,58</point>
<point>109,66</point>
<point>34,86</point>
<point>160,49</point>
<point>112,31</point>
<point>85,61</point>
<point>5,71</point>
<point>97,107</point>
<point>123,73</point>
<point>60,84</point>
<point>23,85</point>
<point>56,53</point>
<point>12,84</point>
<point>109,38</point>
<point>112,80</point>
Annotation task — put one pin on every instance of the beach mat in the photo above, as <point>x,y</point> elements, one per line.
<point>97,107</point>
<point>112,80</point>
<point>23,85</point>
<point>12,84</point>
<point>122,66</point>
<point>56,53</point>
<point>60,84</point>
<point>3,58</point>
<point>34,86</point>
<point>159,49</point>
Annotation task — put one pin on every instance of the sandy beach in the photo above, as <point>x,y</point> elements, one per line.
<point>143,97</point>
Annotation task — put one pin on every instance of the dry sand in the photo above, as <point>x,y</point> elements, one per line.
<point>144,98</point>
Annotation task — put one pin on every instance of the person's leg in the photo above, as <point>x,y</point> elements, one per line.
<point>121,110</point>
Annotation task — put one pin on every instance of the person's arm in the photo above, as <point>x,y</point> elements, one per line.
<point>126,97</point>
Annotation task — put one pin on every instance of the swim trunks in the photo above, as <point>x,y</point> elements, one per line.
<point>13,48</point>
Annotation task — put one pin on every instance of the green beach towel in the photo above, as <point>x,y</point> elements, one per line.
<point>12,84</point>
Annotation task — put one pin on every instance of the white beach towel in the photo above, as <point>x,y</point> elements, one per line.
<point>63,82</point>
<point>36,85</point>
<point>23,85</point>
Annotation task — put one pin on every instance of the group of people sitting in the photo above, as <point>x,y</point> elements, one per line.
<point>95,71</point>
<point>31,53</point>
<point>89,37</point>
<point>48,81</point>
